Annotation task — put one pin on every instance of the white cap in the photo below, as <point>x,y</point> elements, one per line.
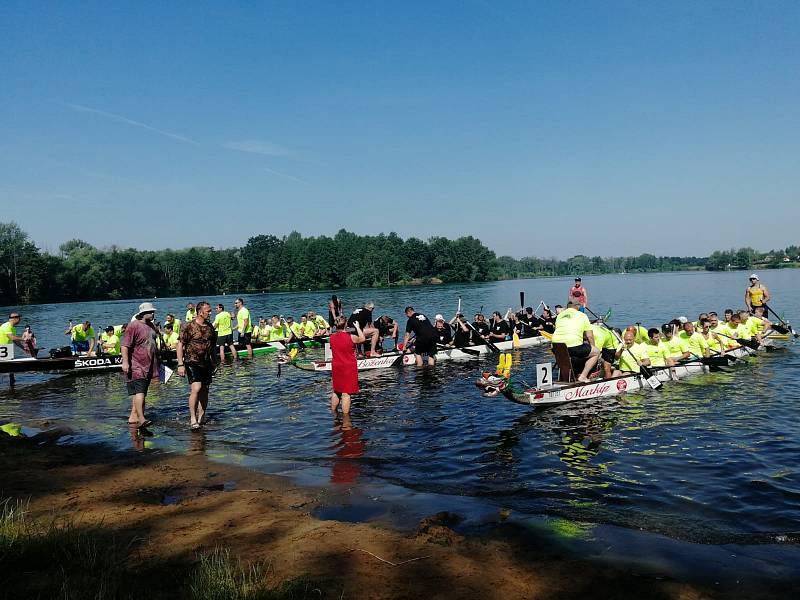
<point>683,319</point>
<point>439,318</point>
<point>754,276</point>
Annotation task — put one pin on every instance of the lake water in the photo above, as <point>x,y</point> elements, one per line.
<point>706,467</point>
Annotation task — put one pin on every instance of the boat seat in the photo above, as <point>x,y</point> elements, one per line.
<point>564,363</point>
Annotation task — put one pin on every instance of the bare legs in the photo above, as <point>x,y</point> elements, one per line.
<point>594,355</point>
<point>137,410</point>
<point>345,403</point>
<point>198,402</point>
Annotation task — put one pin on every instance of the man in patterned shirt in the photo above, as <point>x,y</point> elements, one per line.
<point>196,348</point>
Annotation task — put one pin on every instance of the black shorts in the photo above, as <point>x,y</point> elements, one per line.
<point>581,351</point>
<point>244,338</point>
<point>225,340</point>
<point>137,386</point>
<point>609,354</point>
<point>423,346</point>
<point>198,373</point>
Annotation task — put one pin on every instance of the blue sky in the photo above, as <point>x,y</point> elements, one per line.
<point>543,128</point>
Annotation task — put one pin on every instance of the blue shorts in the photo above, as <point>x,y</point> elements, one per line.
<point>80,346</point>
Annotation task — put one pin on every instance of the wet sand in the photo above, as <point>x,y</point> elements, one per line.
<point>176,506</point>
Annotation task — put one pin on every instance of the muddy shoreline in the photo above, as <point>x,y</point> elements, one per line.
<point>178,506</point>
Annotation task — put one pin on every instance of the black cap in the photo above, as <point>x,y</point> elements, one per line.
<point>577,279</point>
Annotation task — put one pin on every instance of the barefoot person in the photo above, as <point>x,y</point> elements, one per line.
<point>224,329</point>
<point>195,352</point>
<point>344,369</point>
<point>756,294</point>
<point>139,361</point>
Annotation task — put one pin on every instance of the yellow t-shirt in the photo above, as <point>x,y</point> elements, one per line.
<point>320,322</point>
<point>675,346</point>
<point>222,323</point>
<point>627,362</point>
<point>570,327</point>
<point>240,318</point>
<point>309,329</point>
<point>276,333</point>
<point>110,343</point>
<point>603,338</point>
<point>171,340</point>
<point>695,343</point>
<point>79,335</point>
<point>6,331</point>
<point>657,353</point>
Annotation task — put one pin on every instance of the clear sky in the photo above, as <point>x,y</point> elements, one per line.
<point>665,127</point>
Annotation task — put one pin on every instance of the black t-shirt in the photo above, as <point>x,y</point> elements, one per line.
<point>528,323</point>
<point>462,338</point>
<point>501,328</point>
<point>419,325</point>
<point>445,334</point>
<point>362,315</point>
<point>482,327</point>
<point>384,329</point>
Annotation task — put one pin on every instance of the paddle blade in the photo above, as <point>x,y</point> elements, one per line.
<point>546,334</point>
<point>515,340</point>
<point>780,329</point>
<point>522,300</point>
<point>292,353</point>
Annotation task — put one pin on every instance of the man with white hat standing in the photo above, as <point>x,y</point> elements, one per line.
<point>139,361</point>
<point>756,294</point>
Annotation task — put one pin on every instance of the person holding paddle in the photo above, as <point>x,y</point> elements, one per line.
<point>756,294</point>
<point>631,355</point>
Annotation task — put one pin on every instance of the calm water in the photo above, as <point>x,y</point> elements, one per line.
<point>711,460</point>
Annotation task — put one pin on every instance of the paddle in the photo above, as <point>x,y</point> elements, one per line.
<point>293,335</point>
<point>784,326</point>
<point>741,341</point>
<point>649,376</point>
<point>522,300</point>
<point>491,346</point>
<point>470,351</point>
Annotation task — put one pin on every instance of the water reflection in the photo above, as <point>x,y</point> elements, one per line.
<point>348,448</point>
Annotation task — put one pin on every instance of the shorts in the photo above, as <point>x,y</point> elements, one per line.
<point>80,346</point>
<point>198,373</point>
<point>581,351</point>
<point>225,340</point>
<point>245,338</point>
<point>423,346</point>
<point>137,386</point>
<point>609,354</point>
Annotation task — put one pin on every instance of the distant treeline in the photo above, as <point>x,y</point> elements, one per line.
<point>268,263</point>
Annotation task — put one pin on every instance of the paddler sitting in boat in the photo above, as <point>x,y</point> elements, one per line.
<point>323,327</point>
<point>176,324</point>
<point>529,324</point>
<point>713,341</point>
<point>481,327</point>
<point>677,349</point>
<point>575,332</point>
<point>761,321</point>
<point>191,313</point>
<point>548,320</point>
<point>695,343</point>
<point>463,334</point>
<point>308,328</point>
<point>754,324</point>
<point>170,337</point>
<point>443,331</point>
<point>82,337</point>
<point>387,328</point>
<point>259,330</point>
<point>499,329</point>
<point>657,351</point>
<point>109,342</point>
<point>628,353</point>
<point>276,332</point>
<point>749,326</point>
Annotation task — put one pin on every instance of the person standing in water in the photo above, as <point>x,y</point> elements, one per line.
<point>344,368</point>
<point>195,352</point>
